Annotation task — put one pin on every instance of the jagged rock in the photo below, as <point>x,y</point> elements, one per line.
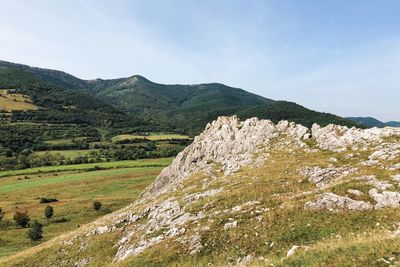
<point>371,179</point>
<point>322,176</point>
<point>396,177</point>
<point>395,167</point>
<point>228,142</point>
<point>339,138</point>
<point>195,244</point>
<point>331,201</point>
<point>385,199</point>
<point>387,151</point>
<point>230,225</point>
<point>354,192</point>
<point>197,196</point>
<point>293,250</point>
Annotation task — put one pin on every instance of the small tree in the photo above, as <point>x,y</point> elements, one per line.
<point>48,212</point>
<point>35,231</point>
<point>1,214</point>
<point>21,218</point>
<point>97,205</point>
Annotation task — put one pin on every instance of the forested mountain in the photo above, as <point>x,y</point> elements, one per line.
<point>283,110</point>
<point>179,108</point>
<point>372,122</point>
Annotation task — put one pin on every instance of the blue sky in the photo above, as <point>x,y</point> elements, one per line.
<point>335,56</point>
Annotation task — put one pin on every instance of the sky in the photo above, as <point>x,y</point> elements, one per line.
<point>339,56</point>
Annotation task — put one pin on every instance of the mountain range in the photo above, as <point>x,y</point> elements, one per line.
<point>136,100</point>
<point>372,122</point>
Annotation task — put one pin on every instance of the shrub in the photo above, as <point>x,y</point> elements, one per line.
<point>21,218</point>
<point>47,200</point>
<point>60,220</point>
<point>35,231</point>
<point>48,212</point>
<point>97,205</point>
<point>1,214</point>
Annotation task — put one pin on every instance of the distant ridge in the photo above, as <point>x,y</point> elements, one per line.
<point>372,122</point>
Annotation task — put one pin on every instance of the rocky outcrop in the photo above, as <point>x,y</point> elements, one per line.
<point>333,202</point>
<point>227,142</point>
<point>322,176</point>
<point>339,138</point>
<point>386,199</point>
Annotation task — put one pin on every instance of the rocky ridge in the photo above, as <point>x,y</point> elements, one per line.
<point>328,169</point>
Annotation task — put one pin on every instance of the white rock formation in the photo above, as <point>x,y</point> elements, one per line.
<point>333,202</point>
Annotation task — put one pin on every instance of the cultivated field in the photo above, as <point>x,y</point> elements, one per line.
<point>152,137</point>
<point>114,184</point>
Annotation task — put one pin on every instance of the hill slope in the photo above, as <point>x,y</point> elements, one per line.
<point>254,193</point>
<point>182,108</point>
<point>56,105</point>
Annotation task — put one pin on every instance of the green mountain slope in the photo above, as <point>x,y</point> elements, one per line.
<point>283,110</point>
<point>179,108</point>
<point>56,105</point>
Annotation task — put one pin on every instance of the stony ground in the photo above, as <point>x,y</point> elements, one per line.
<point>254,193</point>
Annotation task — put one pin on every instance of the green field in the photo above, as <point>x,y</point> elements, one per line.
<point>161,162</point>
<point>152,137</point>
<point>65,140</point>
<point>67,153</point>
<point>75,188</point>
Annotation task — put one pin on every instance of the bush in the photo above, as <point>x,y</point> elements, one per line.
<point>60,220</point>
<point>35,231</point>
<point>97,205</point>
<point>48,212</point>
<point>21,218</point>
<point>47,200</point>
<point>1,214</point>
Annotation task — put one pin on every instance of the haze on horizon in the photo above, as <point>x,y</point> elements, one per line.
<point>335,56</point>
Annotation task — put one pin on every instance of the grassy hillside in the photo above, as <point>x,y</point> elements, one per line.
<point>256,217</point>
<point>10,101</point>
<point>283,110</point>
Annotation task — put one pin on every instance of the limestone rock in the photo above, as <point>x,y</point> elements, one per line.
<point>331,201</point>
<point>385,199</point>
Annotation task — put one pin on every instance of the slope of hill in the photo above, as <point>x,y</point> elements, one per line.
<point>253,193</point>
<point>372,122</point>
<point>283,110</point>
<point>57,105</point>
<point>181,108</point>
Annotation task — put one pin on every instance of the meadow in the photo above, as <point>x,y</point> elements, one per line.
<point>75,187</point>
<point>151,137</point>
<point>10,101</point>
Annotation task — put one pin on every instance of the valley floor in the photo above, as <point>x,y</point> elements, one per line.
<point>114,184</point>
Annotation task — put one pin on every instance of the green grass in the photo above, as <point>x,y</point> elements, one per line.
<point>67,153</point>
<point>10,186</point>
<point>65,141</point>
<point>115,188</point>
<point>161,162</point>
<point>152,137</point>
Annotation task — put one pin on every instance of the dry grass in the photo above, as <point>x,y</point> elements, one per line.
<point>11,101</point>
